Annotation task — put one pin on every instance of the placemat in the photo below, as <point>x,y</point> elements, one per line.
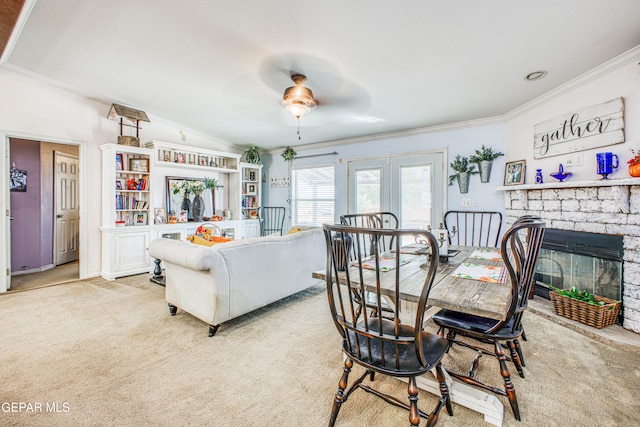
<point>484,273</point>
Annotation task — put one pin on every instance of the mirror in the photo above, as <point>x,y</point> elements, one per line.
<point>174,201</point>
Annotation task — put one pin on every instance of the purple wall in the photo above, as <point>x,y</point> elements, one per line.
<point>25,207</point>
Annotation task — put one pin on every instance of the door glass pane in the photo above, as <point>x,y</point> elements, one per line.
<point>368,190</point>
<point>415,196</point>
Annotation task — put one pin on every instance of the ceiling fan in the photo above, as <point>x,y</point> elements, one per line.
<point>298,99</point>
<point>334,100</point>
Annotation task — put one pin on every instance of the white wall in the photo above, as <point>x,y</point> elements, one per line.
<point>39,110</point>
<point>458,141</point>
<point>623,82</point>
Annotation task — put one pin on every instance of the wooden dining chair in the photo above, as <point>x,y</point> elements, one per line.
<point>271,220</point>
<point>473,228</point>
<point>519,247</point>
<point>362,220</point>
<point>387,346</point>
<point>373,220</point>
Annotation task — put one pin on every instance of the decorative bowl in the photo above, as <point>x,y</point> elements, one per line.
<point>561,176</point>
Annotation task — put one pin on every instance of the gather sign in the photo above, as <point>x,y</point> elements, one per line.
<point>596,126</point>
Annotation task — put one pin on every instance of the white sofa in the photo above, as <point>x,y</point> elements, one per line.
<point>224,281</point>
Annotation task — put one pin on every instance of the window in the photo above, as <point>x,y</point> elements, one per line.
<point>313,196</point>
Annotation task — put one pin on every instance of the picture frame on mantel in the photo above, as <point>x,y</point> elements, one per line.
<point>514,172</point>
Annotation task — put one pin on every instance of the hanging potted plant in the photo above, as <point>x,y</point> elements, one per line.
<point>464,169</point>
<point>288,154</point>
<point>634,163</point>
<point>484,159</point>
<point>252,155</point>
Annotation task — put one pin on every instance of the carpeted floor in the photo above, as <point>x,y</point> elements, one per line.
<point>104,353</point>
<point>60,274</point>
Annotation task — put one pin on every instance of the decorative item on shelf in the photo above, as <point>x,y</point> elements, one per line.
<point>484,159</point>
<point>172,218</point>
<point>607,162</point>
<point>561,175</point>
<point>514,172</point>
<point>288,154</point>
<point>539,179</point>
<point>195,210</point>
<point>463,172</point>
<point>129,117</point>
<point>252,155</point>
<point>634,163</point>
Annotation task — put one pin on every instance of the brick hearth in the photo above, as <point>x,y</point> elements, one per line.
<point>604,207</point>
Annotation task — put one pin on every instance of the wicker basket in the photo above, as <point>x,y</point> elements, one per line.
<point>597,316</point>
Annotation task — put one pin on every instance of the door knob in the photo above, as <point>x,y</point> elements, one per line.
<point>59,216</point>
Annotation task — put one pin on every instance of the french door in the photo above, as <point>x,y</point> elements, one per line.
<point>412,187</point>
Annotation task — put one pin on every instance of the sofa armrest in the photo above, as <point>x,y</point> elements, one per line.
<point>195,257</point>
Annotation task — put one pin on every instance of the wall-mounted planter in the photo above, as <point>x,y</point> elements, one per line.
<point>463,182</point>
<point>485,170</point>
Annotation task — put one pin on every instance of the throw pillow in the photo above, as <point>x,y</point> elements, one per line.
<point>294,230</point>
<point>200,241</point>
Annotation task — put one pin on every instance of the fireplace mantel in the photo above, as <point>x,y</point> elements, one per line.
<point>573,184</point>
<point>603,206</point>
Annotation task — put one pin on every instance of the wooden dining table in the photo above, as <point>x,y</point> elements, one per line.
<point>477,297</point>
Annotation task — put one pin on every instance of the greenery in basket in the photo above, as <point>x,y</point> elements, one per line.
<point>288,154</point>
<point>485,154</point>
<point>195,186</point>
<point>460,165</point>
<point>252,155</point>
<point>580,296</point>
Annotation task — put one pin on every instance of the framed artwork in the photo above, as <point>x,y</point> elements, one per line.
<point>120,184</point>
<point>158,214</point>
<point>514,172</point>
<point>119,162</point>
<point>18,180</point>
<point>140,218</point>
<point>175,201</point>
<point>183,216</point>
<point>139,165</point>
<point>251,189</point>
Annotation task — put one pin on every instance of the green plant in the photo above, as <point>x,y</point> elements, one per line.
<point>252,155</point>
<point>288,154</point>
<point>579,295</point>
<point>461,165</point>
<point>195,186</point>
<point>485,154</point>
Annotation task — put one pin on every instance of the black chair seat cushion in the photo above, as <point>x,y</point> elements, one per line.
<point>475,326</point>
<point>434,349</point>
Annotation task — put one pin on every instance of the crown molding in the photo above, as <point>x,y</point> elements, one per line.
<point>614,64</point>
<point>399,134</point>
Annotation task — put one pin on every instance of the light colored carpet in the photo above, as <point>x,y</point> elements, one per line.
<point>109,354</point>
<point>54,276</point>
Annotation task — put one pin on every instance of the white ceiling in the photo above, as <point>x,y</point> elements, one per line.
<point>221,67</point>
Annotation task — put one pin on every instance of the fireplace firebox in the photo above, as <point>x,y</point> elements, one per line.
<point>588,261</point>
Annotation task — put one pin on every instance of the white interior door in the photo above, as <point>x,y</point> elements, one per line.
<point>412,187</point>
<point>66,208</point>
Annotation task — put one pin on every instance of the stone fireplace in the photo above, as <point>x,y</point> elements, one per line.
<point>604,207</point>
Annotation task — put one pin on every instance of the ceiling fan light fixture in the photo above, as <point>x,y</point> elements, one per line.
<point>298,99</point>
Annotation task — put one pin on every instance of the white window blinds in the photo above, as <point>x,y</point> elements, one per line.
<point>313,196</point>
